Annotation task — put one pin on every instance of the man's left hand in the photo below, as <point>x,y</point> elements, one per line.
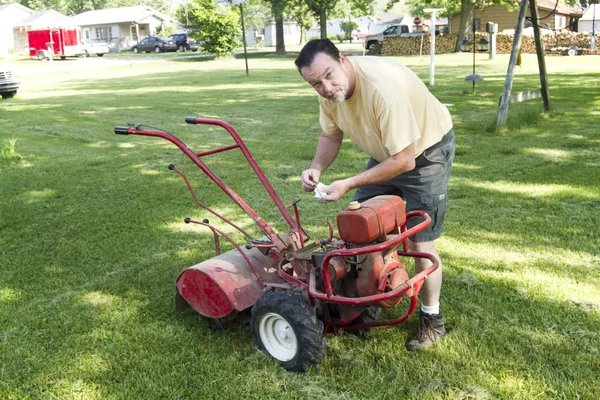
<point>336,190</point>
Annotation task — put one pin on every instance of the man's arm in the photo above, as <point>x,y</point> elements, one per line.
<point>327,150</point>
<point>390,168</point>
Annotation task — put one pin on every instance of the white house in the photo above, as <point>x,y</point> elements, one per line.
<point>10,15</point>
<point>589,20</point>
<point>121,27</point>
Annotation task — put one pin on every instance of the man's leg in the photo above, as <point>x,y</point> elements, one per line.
<point>430,292</point>
<point>431,324</point>
<point>425,189</point>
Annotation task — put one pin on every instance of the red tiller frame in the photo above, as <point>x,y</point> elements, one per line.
<point>414,283</point>
<point>239,143</point>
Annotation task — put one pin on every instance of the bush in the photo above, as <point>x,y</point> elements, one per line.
<point>215,26</point>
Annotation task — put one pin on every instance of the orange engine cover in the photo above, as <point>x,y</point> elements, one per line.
<point>375,218</point>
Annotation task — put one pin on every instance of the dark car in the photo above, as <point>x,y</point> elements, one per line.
<point>156,44</point>
<point>184,42</point>
<point>9,81</point>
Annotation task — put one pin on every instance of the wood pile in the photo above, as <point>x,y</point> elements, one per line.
<point>504,42</point>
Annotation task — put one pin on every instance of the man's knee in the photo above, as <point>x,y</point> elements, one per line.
<point>426,247</point>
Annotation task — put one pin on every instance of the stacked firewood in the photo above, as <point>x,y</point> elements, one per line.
<point>504,42</point>
<point>418,45</point>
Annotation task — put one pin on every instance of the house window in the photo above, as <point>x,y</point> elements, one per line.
<point>104,32</point>
<point>560,22</point>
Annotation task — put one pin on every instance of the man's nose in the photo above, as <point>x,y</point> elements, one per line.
<point>327,86</point>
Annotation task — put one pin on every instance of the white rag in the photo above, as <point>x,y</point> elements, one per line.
<point>318,193</point>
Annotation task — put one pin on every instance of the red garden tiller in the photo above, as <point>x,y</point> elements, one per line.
<point>300,289</point>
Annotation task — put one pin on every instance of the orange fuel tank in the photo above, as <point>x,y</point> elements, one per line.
<point>374,219</point>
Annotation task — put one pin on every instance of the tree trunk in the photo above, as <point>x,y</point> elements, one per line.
<point>279,36</point>
<point>302,35</point>
<point>323,22</point>
<point>466,20</point>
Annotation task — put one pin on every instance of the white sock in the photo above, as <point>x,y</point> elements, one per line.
<point>433,310</point>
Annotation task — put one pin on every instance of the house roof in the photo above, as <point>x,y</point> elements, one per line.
<point>391,19</point>
<point>135,14</point>
<point>44,20</point>
<point>5,7</point>
<point>561,8</point>
<point>588,15</point>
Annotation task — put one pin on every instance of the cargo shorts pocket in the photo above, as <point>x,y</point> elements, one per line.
<point>435,206</point>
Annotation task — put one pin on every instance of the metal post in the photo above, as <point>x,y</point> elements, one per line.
<point>244,36</point>
<point>593,41</point>
<point>539,50</point>
<point>474,50</point>
<point>432,43</point>
<point>504,100</point>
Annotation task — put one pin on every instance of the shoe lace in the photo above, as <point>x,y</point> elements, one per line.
<point>424,328</point>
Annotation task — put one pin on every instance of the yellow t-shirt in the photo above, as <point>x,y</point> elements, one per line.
<point>389,109</point>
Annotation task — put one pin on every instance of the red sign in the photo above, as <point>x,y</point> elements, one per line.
<point>417,21</point>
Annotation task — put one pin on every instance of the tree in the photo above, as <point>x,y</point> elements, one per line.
<point>215,26</point>
<point>278,8</point>
<point>299,12</point>
<point>348,27</point>
<point>74,7</point>
<point>320,8</point>
<point>257,13</point>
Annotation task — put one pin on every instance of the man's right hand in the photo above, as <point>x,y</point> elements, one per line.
<point>309,179</point>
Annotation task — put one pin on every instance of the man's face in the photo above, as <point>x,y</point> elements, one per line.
<point>328,77</point>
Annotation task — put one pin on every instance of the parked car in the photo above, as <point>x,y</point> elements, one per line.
<point>156,44</point>
<point>184,42</point>
<point>9,81</point>
<point>91,46</point>
<point>360,36</point>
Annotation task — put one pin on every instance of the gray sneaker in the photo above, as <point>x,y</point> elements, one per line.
<point>431,329</point>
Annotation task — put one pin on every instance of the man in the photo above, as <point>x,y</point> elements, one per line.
<point>389,113</point>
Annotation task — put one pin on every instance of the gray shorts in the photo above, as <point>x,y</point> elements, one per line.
<point>423,188</point>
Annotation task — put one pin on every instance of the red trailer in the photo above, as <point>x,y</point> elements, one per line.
<point>63,42</point>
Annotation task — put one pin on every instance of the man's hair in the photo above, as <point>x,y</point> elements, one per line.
<point>314,47</point>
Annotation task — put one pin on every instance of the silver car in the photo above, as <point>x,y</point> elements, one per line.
<point>91,46</point>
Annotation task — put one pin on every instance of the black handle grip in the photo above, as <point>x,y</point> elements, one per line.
<point>190,120</point>
<point>121,130</point>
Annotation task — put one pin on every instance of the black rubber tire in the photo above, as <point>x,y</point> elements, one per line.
<point>8,95</point>
<point>371,314</point>
<point>41,56</point>
<point>157,50</point>
<point>374,49</point>
<point>100,54</point>
<point>135,50</point>
<point>181,48</point>
<point>308,330</point>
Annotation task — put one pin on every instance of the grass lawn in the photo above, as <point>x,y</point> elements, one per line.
<point>92,236</point>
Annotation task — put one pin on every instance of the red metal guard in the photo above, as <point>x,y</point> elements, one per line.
<point>218,181</point>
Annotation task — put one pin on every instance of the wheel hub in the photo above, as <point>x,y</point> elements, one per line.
<point>278,337</point>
